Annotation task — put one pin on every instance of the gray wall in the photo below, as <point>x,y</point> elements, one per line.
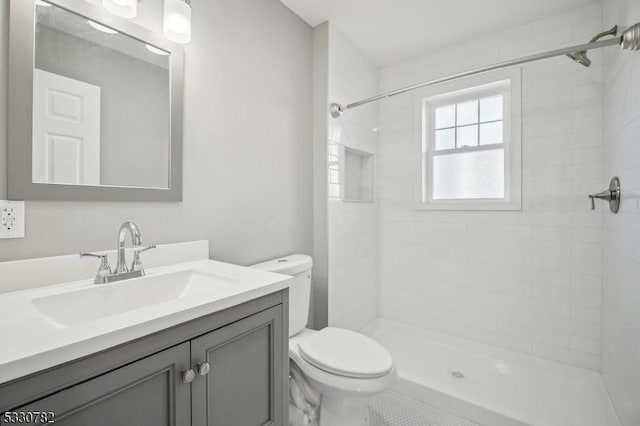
<point>134,136</point>
<point>4,53</point>
<point>247,146</point>
<point>320,294</point>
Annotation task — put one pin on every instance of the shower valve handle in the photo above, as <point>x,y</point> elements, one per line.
<point>607,195</point>
<point>612,195</point>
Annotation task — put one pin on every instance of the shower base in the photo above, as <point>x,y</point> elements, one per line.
<point>491,385</point>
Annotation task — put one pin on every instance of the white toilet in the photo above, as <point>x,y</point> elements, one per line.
<point>333,371</point>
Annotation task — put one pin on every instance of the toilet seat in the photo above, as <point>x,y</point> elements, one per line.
<point>346,353</point>
<point>328,383</point>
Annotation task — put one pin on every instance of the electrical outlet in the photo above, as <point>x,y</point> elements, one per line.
<point>11,219</point>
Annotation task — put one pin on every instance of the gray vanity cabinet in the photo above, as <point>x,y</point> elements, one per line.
<point>145,393</point>
<point>142,383</point>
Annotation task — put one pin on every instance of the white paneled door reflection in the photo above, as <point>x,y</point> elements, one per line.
<point>66,130</point>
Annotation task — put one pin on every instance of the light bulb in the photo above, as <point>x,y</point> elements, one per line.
<point>177,20</point>
<point>156,50</point>
<point>123,8</point>
<point>101,27</point>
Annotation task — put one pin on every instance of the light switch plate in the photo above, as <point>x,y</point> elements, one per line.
<point>11,219</point>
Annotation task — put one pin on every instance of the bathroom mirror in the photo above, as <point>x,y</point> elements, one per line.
<point>95,106</point>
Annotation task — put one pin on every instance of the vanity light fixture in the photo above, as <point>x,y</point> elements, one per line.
<point>42,3</point>
<point>177,20</point>
<point>101,27</point>
<point>123,8</point>
<point>155,50</point>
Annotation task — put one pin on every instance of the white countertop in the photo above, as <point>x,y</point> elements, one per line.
<point>30,342</point>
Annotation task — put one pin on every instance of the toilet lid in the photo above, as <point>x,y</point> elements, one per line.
<point>346,353</point>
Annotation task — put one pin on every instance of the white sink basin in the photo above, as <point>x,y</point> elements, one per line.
<point>52,313</point>
<point>104,300</point>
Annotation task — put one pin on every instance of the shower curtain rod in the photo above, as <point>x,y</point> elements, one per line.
<point>629,40</point>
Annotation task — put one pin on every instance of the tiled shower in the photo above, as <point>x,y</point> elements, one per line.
<point>555,280</point>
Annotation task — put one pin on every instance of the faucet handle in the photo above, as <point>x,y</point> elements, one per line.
<point>145,249</point>
<point>136,265</point>
<point>104,271</point>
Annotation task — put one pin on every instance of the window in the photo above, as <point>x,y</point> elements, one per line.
<point>470,145</point>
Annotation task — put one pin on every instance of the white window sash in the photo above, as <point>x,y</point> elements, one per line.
<point>464,149</point>
<point>429,100</point>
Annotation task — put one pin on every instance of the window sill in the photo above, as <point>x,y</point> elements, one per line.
<point>469,205</point>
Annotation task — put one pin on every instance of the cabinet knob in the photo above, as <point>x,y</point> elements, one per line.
<point>188,376</point>
<point>203,369</point>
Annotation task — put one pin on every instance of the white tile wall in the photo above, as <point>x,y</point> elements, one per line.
<point>530,280</point>
<point>353,227</point>
<point>621,304</point>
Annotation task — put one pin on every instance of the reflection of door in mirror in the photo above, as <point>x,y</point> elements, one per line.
<point>66,130</point>
<point>91,71</point>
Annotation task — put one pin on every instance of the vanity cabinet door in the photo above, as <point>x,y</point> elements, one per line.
<point>244,385</point>
<point>148,392</point>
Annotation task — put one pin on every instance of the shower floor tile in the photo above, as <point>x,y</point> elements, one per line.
<point>395,409</point>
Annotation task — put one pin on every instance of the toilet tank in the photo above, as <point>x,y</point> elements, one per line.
<point>299,267</point>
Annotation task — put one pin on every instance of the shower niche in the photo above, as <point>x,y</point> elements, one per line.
<point>358,175</point>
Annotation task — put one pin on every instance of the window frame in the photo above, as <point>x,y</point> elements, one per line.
<point>506,83</point>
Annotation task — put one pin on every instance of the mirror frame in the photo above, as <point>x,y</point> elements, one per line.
<point>21,65</point>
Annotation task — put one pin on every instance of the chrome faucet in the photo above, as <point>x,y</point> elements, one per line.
<point>122,272</point>
<point>136,239</point>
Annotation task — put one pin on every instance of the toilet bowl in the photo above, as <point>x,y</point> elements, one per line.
<point>328,360</point>
<point>334,371</point>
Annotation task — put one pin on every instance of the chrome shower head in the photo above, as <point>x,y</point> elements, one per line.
<point>581,58</point>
